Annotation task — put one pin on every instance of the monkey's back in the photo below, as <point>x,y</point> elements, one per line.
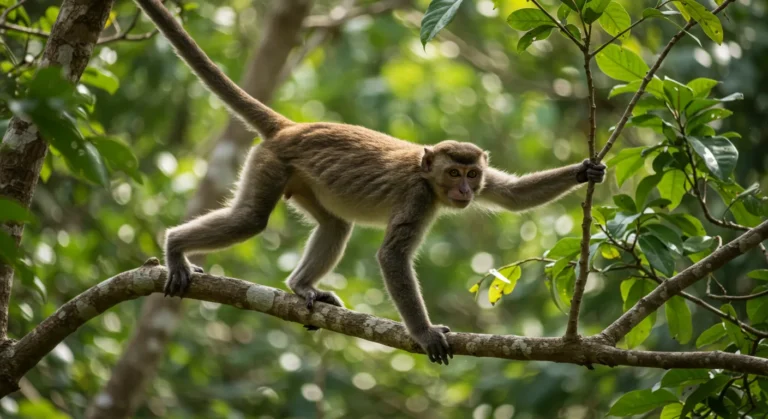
<point>355,173</point>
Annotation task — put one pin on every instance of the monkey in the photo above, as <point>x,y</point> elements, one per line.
<point>340,175</point>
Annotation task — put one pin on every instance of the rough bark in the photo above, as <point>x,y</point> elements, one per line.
<point>141,357</point>
<point>23,150</point>
<point>246,295</point>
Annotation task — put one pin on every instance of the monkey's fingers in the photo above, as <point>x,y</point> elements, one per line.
<point>311,328</point>
<point>311,297</point>
<point>197,269</point>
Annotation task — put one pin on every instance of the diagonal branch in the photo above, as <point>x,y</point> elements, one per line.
<point>150,277</point>
<point>651,302</point>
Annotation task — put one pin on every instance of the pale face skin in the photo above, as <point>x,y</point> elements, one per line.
<point>455,183</point>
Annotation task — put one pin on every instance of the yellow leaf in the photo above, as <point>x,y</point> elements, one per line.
<point>111,18</point>
<point>495,292</point>
<point>474,288</point>
<point>609,252</point>
<point>512,274</point>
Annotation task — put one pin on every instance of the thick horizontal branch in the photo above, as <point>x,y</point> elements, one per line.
<point>18,359</point>
<point>651,302</point>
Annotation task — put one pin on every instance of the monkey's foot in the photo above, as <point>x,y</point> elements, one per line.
<point>435,344</point>
<point>312,295</point>
<point>179,278</point>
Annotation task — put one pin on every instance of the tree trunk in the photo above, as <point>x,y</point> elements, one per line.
<point>126,388</point>
<point>23,150</point>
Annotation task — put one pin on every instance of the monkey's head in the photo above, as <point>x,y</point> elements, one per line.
<point>455,171</point>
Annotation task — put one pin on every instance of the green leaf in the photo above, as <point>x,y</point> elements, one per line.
<point>103,79</point>
<point>718,153</point>
<point>618,225</point>
<point>707,117</point>
<point>669,237</point>
<point>8,249</point>
<point>438,15</point>
<point>681,377</point>
<point>702,86</point>
<point>708,21</point>
<point>536,34</point>
<point>527,19</point>
<point>12,210</point>
<point>562,13</point>
<point>698,105</point>
<point>573,30</point>
<point>757,308</point>
<point>641,401</point>
<point>512,273</point>
<point>603,214</point>
<point>565,247</point>
<point>644,188</point>
<point>621,64</point>
<point>733,331</point>
<point>614,20</point>
<point>761,274</point>
<point>639,289</point>
<point>677,94</point>
<point>679,319</point>
<point>700,394</point>
<point>690,225</point>
<point>118,156</point>
<point>627,163</point>
<point>625,202</point>
<point>594,9</point>
<point>672,187</point>
<point>710,336</point>
<point>657,253</point>
<point>698,244</point>
<point>574,5</point>
<point>671,411</point>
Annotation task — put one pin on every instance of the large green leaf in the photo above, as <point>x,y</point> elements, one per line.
<point>594,10</point>
<point>712,335</point>
<point>708,21</point>
<point>702,86</point>
<point>672,187</point>
<point>527,19</point>
<point>668,236</point>
<point>657,253</point>
<point>677,94</point>
<point>615,19</point>
<point>675,378</point>
<point>565,247</point>
<point>621,64</point>
<point>439,14</point>
<point>641,401</point>
<point>706,117</point>
<point>718,153</point>
<point>620,222</point>
<point>734,332</point>
<point>627,163</point>
<point>644,188</point>
<point>679,319</point>
<point>757,308</point>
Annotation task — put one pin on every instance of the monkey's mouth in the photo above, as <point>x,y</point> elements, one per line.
<point>461,203</point>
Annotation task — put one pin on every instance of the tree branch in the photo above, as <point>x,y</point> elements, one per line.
<point>150,278</point>
<point>651,302</point>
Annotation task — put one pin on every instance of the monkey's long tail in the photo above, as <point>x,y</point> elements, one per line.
<point>260,116</point>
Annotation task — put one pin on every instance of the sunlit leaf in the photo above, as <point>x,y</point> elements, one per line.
<point>712,335</point>
<point>638,288</point>
<point>627,163</point>
<point>672,187</point>
<point>527,19</point>
<point>11,210</point>
<point>702,86</point>
<point>536,34</point>
<point>101,78</point>
<point>621,64</point>
<point>708,21</point>
<point>615,19</point>
<point>684,377</point>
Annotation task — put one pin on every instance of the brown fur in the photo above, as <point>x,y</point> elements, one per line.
<point>339,175</point>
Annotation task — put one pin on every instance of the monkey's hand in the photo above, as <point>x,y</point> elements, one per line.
<point>591,172</point>
<point>435,344</point>
<point>311,295</point>
<point>179,276</point>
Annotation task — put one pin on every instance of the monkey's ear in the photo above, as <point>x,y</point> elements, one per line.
<point>487,156</point>
<point>427,159</point>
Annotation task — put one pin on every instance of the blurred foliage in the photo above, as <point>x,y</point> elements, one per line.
<point>99,212</point>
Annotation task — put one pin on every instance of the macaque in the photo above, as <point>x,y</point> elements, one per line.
<point>339,175</point>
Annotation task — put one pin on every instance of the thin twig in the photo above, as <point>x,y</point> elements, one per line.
<point>7,11</point>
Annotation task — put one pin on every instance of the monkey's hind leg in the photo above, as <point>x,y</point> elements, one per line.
<point>260,187</point>
<point>321,254</point>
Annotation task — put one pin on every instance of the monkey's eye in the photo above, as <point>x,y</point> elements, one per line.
<point>454,173</point>
<point>472,173</point>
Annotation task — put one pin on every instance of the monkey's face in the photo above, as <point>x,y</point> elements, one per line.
<point>455,171</point>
